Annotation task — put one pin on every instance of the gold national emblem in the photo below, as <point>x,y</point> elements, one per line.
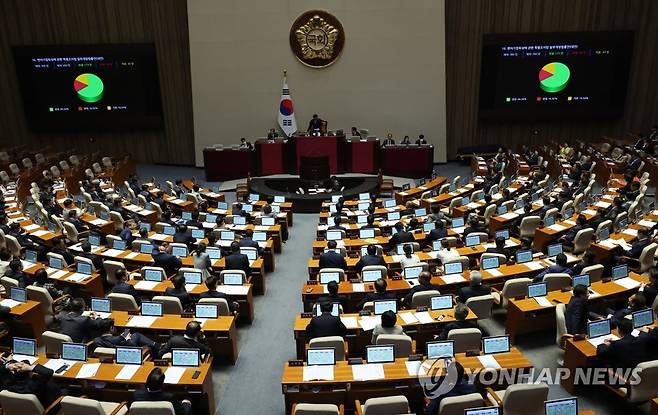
<point>317,38</point>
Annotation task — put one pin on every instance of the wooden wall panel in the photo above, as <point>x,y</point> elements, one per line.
<point>163,22</point>
<point>468,20</point>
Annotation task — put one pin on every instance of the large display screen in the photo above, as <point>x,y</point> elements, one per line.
<point>76,87</point>
<point>554,76</point>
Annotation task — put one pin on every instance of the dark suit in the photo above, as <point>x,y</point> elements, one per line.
<point>437,233</point>
<point>125,288</point>
<point>477,228</point>
<point>159,396</point>
<point>181,294</point>
<point>571,233</point>
<point>218,294</point>
<point>168,262</point>
<point>250,243</point>
<point>78,327</point>
<point>40,385</point>
<point>465,324</point>
<point>325,325</point>
<point>467,292</point>
<point>417,289</point>
<point>136,340</point>
<point>367,260</point>
<point>341,299</point>
<point>460,389</point>
<point>238,261</point>
<point>68,257</point>
<point>401,237</point>
<point>650,341</point>
<point>650,293</point>
<point>624,353</point>
<point>576,316</point>
<point>182,342</point>
<point>331,259</point>
<point>184,238</point>
<point>95,259</point>
<point>503,251</point>
<point>637,247</point>
<point>376,297</point>
<point>553,269</point>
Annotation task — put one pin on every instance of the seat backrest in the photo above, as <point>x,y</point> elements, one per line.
<point>12,245</point>
<point>105,352</point>
<point>123,302</point>
<point>403,345</point>
<point>111,268</point>
<point>232,271</point>
<point>560,322</point>
<point>465,339</point>
<point>42,296</point>
<point>481,305</point>
<point>464,260</point>
<point>620,217</point>
<point>525,399</point>
<point>117,219</point>
<point>53,341</point>
<point>582,240</point>
<point>423,298</point>
<point>381,268</point>
<point>556,281</point>
<point>502,259</point>
<point>340,271</point>
<point>170,304</point>
<point>81,406</point>
<point>576,201</point>
<point>57,256</point>
<point>223,307</point>
<point>152,408</point>
<point>595,272</point>
<point>71,232</point>
<point>13,403</point>
<point>516,287</point>
<point>647,257</point>
<point>550,212</point>
<point>337,342</point>
<point>315,409</point>
<point>456,405</point>
<point>389,405</point>
<point>603,225</point>
<point>566,206</point>
<point>9,283</point>
<point>528,226</point>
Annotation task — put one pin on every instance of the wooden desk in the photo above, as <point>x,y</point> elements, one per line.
<point>358,339</point>
<point>527,316</point>
<point>654,407</point>
<point>446,198</point>
<point>220,332</point>
<point>344,389</point>
<point>29,318</point>
<point>544,236</point>
<point>91,286</point>
<point>199,391</point>
<point>414,193</point>
<point>106,227</point>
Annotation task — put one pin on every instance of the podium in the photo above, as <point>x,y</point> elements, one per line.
<point>322,146</point>
<point>408,160</point>
<point>270,155</point>
<point>227,163</point>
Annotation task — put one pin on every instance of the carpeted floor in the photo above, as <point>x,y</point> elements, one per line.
<point>253,386</point>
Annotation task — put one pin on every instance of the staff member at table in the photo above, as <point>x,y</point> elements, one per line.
<point>246,144</point>
<point>272,134</point>
<point>314,125</point>
<point>389,140</point>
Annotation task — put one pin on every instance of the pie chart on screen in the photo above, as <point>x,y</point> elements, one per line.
<point>554,77</point>
<point>89,87</point>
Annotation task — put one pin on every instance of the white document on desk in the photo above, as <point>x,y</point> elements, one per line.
<point>608,243</point>
<point>233,289</point>
<point>557,227</point>
<point>158,236</point>
<point>173,374</point>
<point>602,205</point>
<point>589,212</point>
<point>77,277</point>
<point>30,359</point>
<point>262,228</point>
<point>88,370</point>
<point>413,367</point>
<point>543,301</point>
<point>628,283</point>
<point>113,252</point>
<point>190,287</point>
<point>489,362</point>
<point>534,266</point>
<point>647,223</point>
<point>424,317</point>
<point>146,285</point>
<point>350,322</point>
<point>600,340</point>
<point>368,371</point>
<point>58,274</point>
<point>408,318</point>
<point>98,222</point>
<point>509,216</point>
<point>312,373</point>
<point>453,278</point>
<point>132,255</point>
<point>630,232</point>
<point>141,321</point>
<point>494,272</point>
<point>9,303</point>
<point>369,322</point>
<point>32,227</point>
<point>127,372</point>
<point>358,287</point>
<point>40,233</point>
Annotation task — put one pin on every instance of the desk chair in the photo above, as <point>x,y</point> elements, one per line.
<point>75,160</point>
<point>13,246</point>
<point>481,305</point>
<point>582,241</point>
<point>83,406</point>
<point>123,302</point>
<point>85,260</point>
<point>463,259</point>
<point>528,226</point>
<point>170,305</point>
<point>566,206</point>
<point>25,404</point>
<point>3,241</point>
<point>502,259</point>
<point>389,405</point>
<point>509,205</point>
<point>414,245</point>
<point>603,225</point>
<point>517,287</point>
<point>645,389</point>
<point>456,405</point>
<point>71,232</point>
<point>556,281</point>
<point>4,177</point>
<point>316,409</point>
<point>576,202</point>
<point>340,271</point>
<point>111,268</point>
<point>337,342</point>
<point>403,345</point>
<point>152,408</point>
<point>465,339</point>
<point>64,166</point>
<point>157,209</point>
<point>117,219</point>
<point>562,335</point>
<point>646,259</point>
<point>14,169</point>
<point>550,212</point>
<point>484,237</point>
<point>381,268</point>
<point>223,307</point>
<point>520,398</point>
<point>232,271</point>
<point>620,217</point>
<point>59,224</point>
<point>423,298</point>
<point>477,195</point>
<point>489,212</point>
<point>53,341</point>
<point>595,272</point>
<point>97,168</point>
<point>49,306</point>
<point>27,163</point>
<point>8,283</point>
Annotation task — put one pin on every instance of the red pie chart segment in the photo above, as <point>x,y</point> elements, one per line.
<point>544,74</point>
<point>78,85</point>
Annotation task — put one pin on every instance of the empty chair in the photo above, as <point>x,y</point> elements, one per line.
<point>341,273</point>
<point>620,217</point>
<point>83,406</point>
<point>550,212</point>
<point>403,345</point>
<point>567,205</point>
<point>232,272</point>
<point>528,226</point>
<point>75,161</point>
<point>123,302</point>
<point>423,298</point>
<point>170,304</point>
<point>64,165</point>
<point>381,268</point>
<point>14,169</point>
<point>53,341</point>
<point>316,409</point>
<point>4,177</point>
<point>117,219</point>
<point>57,256</point>
<point>39,158</point>
<point>223,308</point>
<point>97,168</point>
<point>517,287</point>
<point>595,272</point>
<point>12,245</point>
<point>13,403</point>
<point>48,304</point>
<point>8,283</point>
<point>520,398</point>
<point>337,342</point>
<point>107,163</point>
<point>456,405</point>
<point>489,212</point>
<point>556,281</point>
<point>576,202</point>
<point>27,163</point>
<point>646,259</point>
<point>152,408</point>
<point>481,305</point>
<point>465,339</point>
<point>55,172</point>
<point>464,260</point>
<point>477,195</point>
<point>582,241</point>
<point>389,405</point>
<point>71,232</point>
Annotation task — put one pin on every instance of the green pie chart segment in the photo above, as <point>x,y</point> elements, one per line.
<point>554,77</point>
<point>89,87</point>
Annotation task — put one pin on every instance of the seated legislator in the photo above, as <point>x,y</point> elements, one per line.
<point>315,125</point>
<point>389,140</point>
<point>272,134</point>
<point>248,242</point>
<point>202,260</point>
<point>446,253</point>
<point>371,258</point>
<point>122,286</point>
<point>462,387</point>
<point>400,236</point>
<point>95,259</point>
<point>387,326</point>
<point>500,248</point>
<point>246,144</point>
<point>332,259</point>
<point>337,225</point>
<point>183,236</point>
<point>409,258</point>
<point>211,283</point>
<point>636,302</point>
<point>577,311</point>
<point>406,140</point>
<point>333,296</point>
<point>237,260</point>
<point>421,140</point>
<point>110,338</point>
<point>179,291</point>
<point>192,339</point>
<point>643,240</point>
<point>461,313</point>
<point>15,271</point>
<point>78,327</point>
<point>567,238</point>
<point>650,290</point>
<point>152,392</point>
<point>474,225</point>
<point>163,258</point>
<point>379,294</point>
<point>475,288</point>
<point>439,231</point>
<point>59,247</point>
<point>560,267</point>
<point>424,284</point>
<point>325,324</point>
<point>41,280</point>
<point>23,378</point>
<point>624,353</point>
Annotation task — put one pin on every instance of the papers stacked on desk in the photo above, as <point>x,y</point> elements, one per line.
<point>489,362</point>
<point>424,317</point>
<point>173,374</point>
<point>146,285</point>
<point>543,301</point>
<point>233,289</point>
<point>88,370</point>
<point>262,227</point>
<point>534,266</point>
<point>630,232</point>
<point>141,321</point>
<point>55,364</point>
<point>76,277</point>
<point>32,227</point>
<point>413,367</point>
<point>9,303</point>
<point>408,318</point>
<point>127,372</point>
<point>40,233</point>
<point>56,273</point>
<point>589,212</point>
<point>453,278</point>
<point>628,283</point>
<point>368,372</point>
<point>22,357</point>
<point>647,223</point>
<point>132,255</point>
<point>113,252</point>
<point>494,272</point>
<point>312,373</point>
<point>98,222</point>
<point>158,236</point>
<point>190,287</point>
<point>602,205</point>
<point>557,227</point>
<point>358,287</point>
<point>350,322</point>
<point>369,322</point>
<point>509,216</point>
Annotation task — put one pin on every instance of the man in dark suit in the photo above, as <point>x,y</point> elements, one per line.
<point>636,302</point>
<point>500,248</point>
<point>379,294</point>
<point>315,125</point>
<point>642,242</point>
<point>568,238</point>
<point>461,313</point>
<point>439,231</point>
<point>237,261</point>
<point>325,324</point>
<point>389,140</point>
<point>15,271</point>
<point>577,311</point>
<point>332,259</point>
<point>333,296</point>
<point>624,353</point>
<point>211,283</point>
<point>73,219</point>
<point>401,236</point>
<point>179,291</point>
<point>248,241</point>
<point>26,379</point>
<point>162,258</point>
<point>159,200</point>
<point>192,339</point>
<point>475,288</point>
<point>153,392</point>
<point>95,259</point>
<point>183,236</point>
<point>650,290</point>
<point>421,140</point>
<point>547,205</point>
<point>370,259</point>
<point>122,286</point>
<point>78,327</point>
<point>424,284</point>
<point>337,225</point>
<point>237,210</point>
<point>649,336</point>
<point>560,267</point>
<point>110,338</point>
<point>474,225</point>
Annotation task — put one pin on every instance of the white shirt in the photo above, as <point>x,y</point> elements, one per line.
<point>447,255</point>
<point>407,262</point>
